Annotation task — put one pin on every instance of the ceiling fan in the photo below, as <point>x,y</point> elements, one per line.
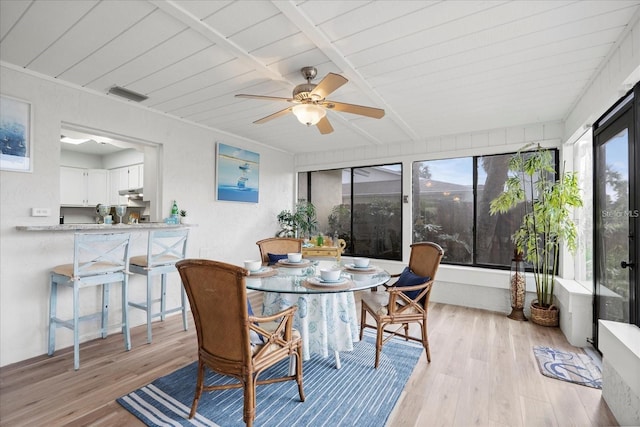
<point>310,103</point>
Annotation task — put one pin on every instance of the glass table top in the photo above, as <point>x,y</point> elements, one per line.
<point>306,279</point>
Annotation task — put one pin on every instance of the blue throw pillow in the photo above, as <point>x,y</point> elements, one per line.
<point>274,258</point>
<point>409,278</point>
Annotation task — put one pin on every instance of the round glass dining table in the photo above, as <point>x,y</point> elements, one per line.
<point>326,318</point>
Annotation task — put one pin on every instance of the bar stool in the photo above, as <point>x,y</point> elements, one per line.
<point>98,259</point>
<point>165,248</point>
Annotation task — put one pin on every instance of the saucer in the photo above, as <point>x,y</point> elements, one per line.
<point>287,263</point>
<point>353,267</point>
<point>262,272</point>
<point>319,282</point>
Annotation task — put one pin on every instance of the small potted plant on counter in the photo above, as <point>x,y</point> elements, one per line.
<point>183,217</point>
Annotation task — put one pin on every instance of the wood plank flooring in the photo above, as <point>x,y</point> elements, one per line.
<point>482,373</point>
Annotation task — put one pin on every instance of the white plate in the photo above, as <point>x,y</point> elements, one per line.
<point>287,263</point>
<point>260,271</point>
<point>353,267</point>
<point>319,282</point>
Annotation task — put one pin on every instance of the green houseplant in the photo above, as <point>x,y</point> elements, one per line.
<point>302,222</point>
<point>183,217</point>
<point>546,222</point>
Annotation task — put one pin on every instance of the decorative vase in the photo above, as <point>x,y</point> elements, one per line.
<point>544,316</point>
<point>517,287</point>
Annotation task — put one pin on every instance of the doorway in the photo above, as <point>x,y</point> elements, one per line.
<point>617,213</point>
<point>113,151</point>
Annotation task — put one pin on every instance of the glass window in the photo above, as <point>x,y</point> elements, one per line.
<point>443,206</point>
<point>361,205</point>
<point>583,164</point>
<point>451,199</point>
<point>494,246</point>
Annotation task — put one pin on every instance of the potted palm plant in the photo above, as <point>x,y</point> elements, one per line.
<point>546,223</point>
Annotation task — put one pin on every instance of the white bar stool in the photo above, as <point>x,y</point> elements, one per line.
<point>98,259</point>
<point>165,248</point>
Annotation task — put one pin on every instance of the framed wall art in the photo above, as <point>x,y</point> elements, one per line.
<point>16,145</point>
<point>237,174</point>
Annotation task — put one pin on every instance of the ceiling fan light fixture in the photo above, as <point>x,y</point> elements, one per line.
<point>309,114</point>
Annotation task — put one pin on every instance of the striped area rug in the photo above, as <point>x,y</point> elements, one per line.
<point>356,394</point>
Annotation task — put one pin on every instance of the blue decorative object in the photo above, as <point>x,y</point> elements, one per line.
<point>172,220</point>
<point>16,148</point>
<point>335,397</point>
<point>237,174</point>
<point>274,258</point>
<point>409,278</point>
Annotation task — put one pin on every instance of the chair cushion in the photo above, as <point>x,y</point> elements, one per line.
<point>141,260</point>
<point>409,278</point>
<point>99,267</point>
<point>377,302</point>
<point>274,258</point>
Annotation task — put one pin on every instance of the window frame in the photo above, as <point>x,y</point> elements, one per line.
<point>349,250</point>
<point>474,228</point>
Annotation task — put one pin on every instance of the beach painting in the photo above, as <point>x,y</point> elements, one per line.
<point>15,135</point>
<point>237,174</point>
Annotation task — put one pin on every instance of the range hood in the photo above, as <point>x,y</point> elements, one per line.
<point>132,193</point>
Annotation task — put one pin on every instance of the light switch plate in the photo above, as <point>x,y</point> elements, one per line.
<point>40,212</point>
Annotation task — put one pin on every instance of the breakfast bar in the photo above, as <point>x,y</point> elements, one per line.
<point>114,228</point>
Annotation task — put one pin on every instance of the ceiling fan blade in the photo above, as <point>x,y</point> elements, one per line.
<point>375,113</point>
<point>327,85</point>
<point>324,126</point>
<point>264,98</point>
<point>273,116</point>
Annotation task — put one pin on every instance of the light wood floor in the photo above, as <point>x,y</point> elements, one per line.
<point>482,373</point>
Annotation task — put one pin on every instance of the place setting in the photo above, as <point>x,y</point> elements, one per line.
<point>360,265</point>
<point>256,269</point>
<point>329,279</point>
<point>294,260</point>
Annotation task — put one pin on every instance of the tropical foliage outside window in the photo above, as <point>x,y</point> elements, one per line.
<point>361,205</point>
<point>451,200</point>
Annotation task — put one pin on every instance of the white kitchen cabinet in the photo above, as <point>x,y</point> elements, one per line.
<point>83,187</point>
<point>124,179</point>
<point>136,176</point>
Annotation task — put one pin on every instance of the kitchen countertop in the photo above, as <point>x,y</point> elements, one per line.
<point>100,227</point>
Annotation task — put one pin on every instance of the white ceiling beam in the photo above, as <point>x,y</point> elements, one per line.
<point>214,36</point>
<point>308,28</point>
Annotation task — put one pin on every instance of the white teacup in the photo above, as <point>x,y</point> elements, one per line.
<point>361,262</point>
<point>330,274</point>
<point>294,257</point>
<point>252,265</point>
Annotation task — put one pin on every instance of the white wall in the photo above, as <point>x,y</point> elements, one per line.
<point>482,288</point>
<point>226,231</point>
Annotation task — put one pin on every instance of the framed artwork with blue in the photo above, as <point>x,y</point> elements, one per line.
<point>16,147</point>
<point>237,174</point>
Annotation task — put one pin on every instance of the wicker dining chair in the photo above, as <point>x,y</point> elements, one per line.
<point>406,301</point>
<point>224,328</point>
<point>278,246</point>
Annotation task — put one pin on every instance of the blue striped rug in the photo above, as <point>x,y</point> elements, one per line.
<point>356,394</point>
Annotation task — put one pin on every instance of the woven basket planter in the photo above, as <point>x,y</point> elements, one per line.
<point>549,316</point>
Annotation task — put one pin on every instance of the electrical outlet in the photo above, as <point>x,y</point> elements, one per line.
<point>40,212</point>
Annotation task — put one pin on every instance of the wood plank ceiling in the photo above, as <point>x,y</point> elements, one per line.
<point>435,67</point>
